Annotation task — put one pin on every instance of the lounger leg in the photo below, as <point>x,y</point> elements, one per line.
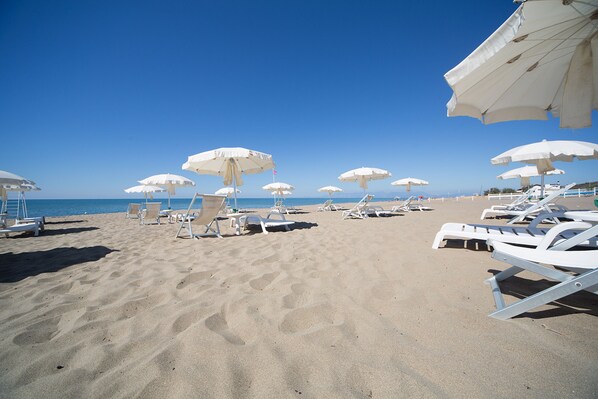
<point>551,294</point>
<point>568,284</point>
<point>263,227</point>
<point>438,239</point>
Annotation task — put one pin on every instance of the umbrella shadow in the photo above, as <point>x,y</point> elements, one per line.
<point>521,288</point>
<point>66,222</point>
<point>69,230</point>
<point>257,229</point>
<point>16,267</point>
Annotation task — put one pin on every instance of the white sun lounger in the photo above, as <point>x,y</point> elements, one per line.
<point>530,211</point>
<point>328,206</point>
<point>269,221</point>
<point>583,265</point>
<point>522,235</point>
<point>358,210</point>
<point>151,213</point>
<point>21,227</point>
<point>133,211</point>
<point>208,216</point>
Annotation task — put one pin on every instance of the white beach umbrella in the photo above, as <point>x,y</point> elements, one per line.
<point>544,58</point>
<point>409,181</point>
<point>363,175</point>
<point>330,190</point>
<point>282,193</point>
<point>146,189</point>
<point>228,191</point>
<point>11,182</point>
<point>524,173</point>
<point>230,163</point>
<point>278,188</point>
<point>543,153</point>
<point>169,181</point>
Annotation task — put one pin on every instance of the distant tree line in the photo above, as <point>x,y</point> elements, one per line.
<point>496,190</point>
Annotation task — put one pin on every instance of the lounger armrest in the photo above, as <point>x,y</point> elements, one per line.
<point>554,232</point>
<point>274,213</point>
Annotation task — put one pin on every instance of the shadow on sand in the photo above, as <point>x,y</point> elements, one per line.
<point>16,267</point>
<point>66,221</point>
<point>70,230</point>
<point>520,288</point>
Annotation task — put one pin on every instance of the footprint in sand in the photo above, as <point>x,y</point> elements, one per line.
<point>298,296</point>
<point>218,324</point>
<point>262,282</point>
<point>194,277</point>
<point>308,320</point>
<point>38,333</point>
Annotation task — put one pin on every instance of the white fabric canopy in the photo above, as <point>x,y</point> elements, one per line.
<point>409,181</point>
<point>544,58</point>
<point>278,187</point>
<point>363,175</point>
<point>10,179</point>
<point>169,181</point>
<point>524,173</point>
<point>543,153</point>
<point>229,163</point>
<point>144,188</point>
<point>282,193</point>
<point>330,190</point>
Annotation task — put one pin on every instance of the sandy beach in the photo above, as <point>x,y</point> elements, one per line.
<point>98,306</point>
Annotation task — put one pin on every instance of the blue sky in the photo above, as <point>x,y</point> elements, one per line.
<point>97,95</point>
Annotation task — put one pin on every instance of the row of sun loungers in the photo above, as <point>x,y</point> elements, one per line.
<point>363,209</point>
<point>531,248</point>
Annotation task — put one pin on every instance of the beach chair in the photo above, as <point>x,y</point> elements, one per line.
<point>133,211</point>
<point>543,206</point>
<point>530,235</point>
<point>328,206</point>
<point>358,210</point>
<point>273,219</point>
<point>207,216</point>
<point>519,203</point>
<point>405,206</point>
<point>151,213</point>
<point>20,227</point>
<point>581,267</point>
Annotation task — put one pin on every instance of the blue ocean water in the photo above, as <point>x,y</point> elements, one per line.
<point>66,207</point>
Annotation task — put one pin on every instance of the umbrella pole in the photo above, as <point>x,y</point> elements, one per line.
<point>542,191</point>
<point>235,191</point>
<point>169,200</point>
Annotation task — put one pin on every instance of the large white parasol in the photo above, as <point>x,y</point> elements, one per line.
<point>278,189</point>
<point>230,163</point>
<point>363,175</point>
<point>543,153</point>
<point>169,181</point>
<point>543,59</point>
<point>146,189</point>
<point>11,182</point>
<point>409,181</point>
<point>330,190</point>
<point>524,173</point>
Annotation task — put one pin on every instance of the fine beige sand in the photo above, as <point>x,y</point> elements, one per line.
<point>101,307</point>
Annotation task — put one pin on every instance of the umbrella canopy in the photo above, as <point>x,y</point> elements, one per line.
<point>147,190</point>
<point>230,163</point>
<point>278,187</point>
<point>524,173</point>
<point>330,190</point>
<point>282,193</point>
<point>409,181</point>
<point>363,175</point>
<point>543,59</point>
<point>169,181</point>
<point>543,153</point>
<point>228,191</point>
<point>10,179</point>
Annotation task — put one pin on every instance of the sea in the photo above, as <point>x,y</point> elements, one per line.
<point>67,207</point>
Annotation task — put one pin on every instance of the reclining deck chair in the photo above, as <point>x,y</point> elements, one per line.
<point>583,263</point>
<point>522,235</point>
<point>542,206</point>
<point>21,227</point>
<point>133,211</point>
<point>519,203</point>
<point>151,213</point>
<point>405,206</point>
<point>358,210</point>
<point>208,215</point>
<point>328,206</point>
<point>268,221</point>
